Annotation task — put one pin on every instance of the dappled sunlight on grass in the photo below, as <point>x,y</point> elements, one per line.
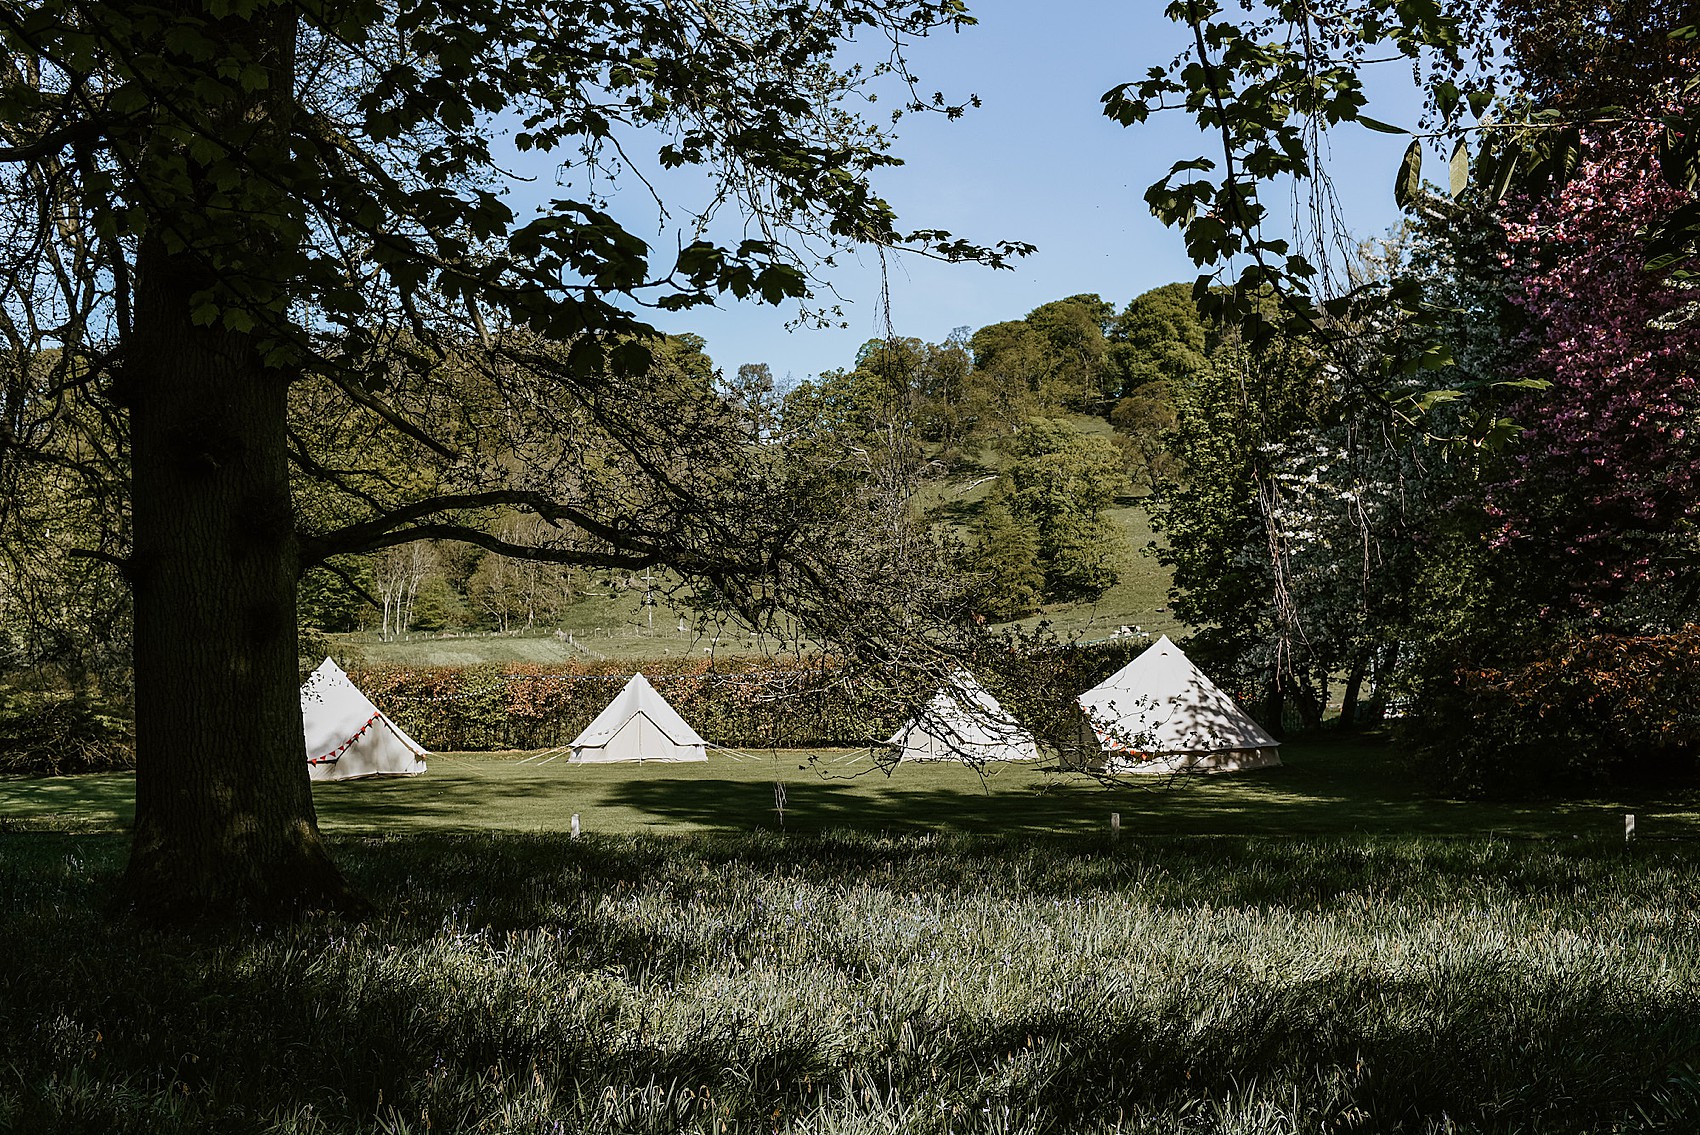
<point>95,801</point>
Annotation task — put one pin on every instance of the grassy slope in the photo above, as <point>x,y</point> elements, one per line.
<point>608,624</point>
<point>612,623</point>
<point>1324,787</point>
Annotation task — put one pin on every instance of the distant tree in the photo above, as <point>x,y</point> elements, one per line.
<point>1145,422</point>
<point>1003,558</point>
<point>753,390</point>
<point>1009,364</point>
<point>400,572</point>
<point>1160,337</point>
<point>1076,372</point>
<point>337,596</point>
<point>945,414</point>
<point>1060,481</point>
<point>509,594</point>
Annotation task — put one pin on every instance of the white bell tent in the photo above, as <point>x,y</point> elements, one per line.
<point>347,736</point>
<point>1161,714</point>
<point>964,722</point>
<point>638,725</point>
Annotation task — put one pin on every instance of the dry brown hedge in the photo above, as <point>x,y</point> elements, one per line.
<point>1591,711</point>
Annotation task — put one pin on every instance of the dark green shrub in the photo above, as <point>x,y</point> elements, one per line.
<point>54,732</point>
<point>1591,711</point>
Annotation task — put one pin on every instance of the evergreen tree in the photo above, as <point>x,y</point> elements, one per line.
<point>1060,482</point>
<point>1004,556</point>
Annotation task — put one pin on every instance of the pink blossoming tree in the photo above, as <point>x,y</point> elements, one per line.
<point>1602,497</point>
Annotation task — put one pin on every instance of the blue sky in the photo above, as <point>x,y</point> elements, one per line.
<point>1037,162</point>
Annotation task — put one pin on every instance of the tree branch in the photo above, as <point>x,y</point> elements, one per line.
<point>122,563</point>
<point>466,534</point>
<point>399,526</point>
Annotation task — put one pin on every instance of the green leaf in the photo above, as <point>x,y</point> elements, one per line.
<point>1458,169</point>
<point>1379,126</point>
<point>1446,97</point>
<point>1409,182</point>
<point>1432,398</point>
<point>1502,180</point>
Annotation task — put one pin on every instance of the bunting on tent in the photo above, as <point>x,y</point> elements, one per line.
<point>347,736</point>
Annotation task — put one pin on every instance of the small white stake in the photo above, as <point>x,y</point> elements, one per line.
<point>1115,826</point>
<point>575,825</point>
<point>1628,826</point>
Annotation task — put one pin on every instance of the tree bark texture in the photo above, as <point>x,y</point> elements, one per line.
<point>1354,688</point>
<point>224,810</point>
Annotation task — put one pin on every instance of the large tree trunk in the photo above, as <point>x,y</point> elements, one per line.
<point>224,811</point>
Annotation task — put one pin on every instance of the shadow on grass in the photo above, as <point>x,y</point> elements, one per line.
<point>500,962</point>
<point>1326,786</point>
<point>1329,786</point>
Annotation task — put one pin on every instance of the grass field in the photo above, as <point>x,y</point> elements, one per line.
<point>1313,948</point>
<point>854,983</point>
<point>1324,787</point>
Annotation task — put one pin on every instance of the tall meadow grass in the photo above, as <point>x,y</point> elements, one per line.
<point>861,983</point>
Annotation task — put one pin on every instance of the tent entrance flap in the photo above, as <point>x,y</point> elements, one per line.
<point>638,725</point>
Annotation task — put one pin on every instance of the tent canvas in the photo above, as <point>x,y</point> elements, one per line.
<point>1160,713</point>
<point>347,736</point>
<point>638,725</point>
<point>964,724</point>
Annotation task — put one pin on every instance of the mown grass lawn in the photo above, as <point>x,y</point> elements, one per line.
<point>1327,786</point>
<point>1316,948</point>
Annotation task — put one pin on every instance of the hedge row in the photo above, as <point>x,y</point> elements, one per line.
<point>741,704</point>
<point>1591,711</point>
<point>759,704</point>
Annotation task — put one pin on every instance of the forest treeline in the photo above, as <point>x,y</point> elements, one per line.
<point>1002,406</point>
